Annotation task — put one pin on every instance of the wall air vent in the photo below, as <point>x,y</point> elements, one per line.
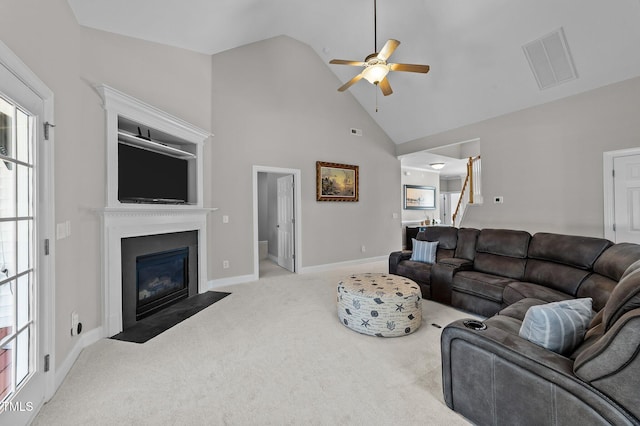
<point>550,60</point>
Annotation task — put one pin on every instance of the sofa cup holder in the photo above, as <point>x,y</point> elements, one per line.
<point>475,325</point>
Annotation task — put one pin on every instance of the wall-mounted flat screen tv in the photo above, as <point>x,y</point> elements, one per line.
<point>149,177</point>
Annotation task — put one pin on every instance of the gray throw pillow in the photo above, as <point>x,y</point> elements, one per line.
<point>557,326</point>
<point>424,251</point>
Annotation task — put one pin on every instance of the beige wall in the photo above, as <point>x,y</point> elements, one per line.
<point>290,116</point>
<point>547,160</point>
<point>71,59</point>
<point>275,104</point>
<point>451,184</point>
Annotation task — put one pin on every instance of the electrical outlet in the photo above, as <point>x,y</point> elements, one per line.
<point>363,249</point>
<point>61,231</point>
<point>74,323</point>
<point>225,219</point>
<point>225,264</point>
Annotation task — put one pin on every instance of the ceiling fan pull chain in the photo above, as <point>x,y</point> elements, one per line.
<point>376,99</point>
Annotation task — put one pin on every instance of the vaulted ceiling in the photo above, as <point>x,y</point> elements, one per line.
<point>474,47</point>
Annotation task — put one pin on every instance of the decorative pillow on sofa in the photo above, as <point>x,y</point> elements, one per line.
<point>424,251</point>
<point>558,326</point>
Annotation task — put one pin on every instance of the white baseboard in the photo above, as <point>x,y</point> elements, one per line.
<point>331,266</point>
<point>223,282</point>
<point>84,340</point>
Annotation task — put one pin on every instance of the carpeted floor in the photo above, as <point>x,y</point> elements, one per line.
<point>271,353</point>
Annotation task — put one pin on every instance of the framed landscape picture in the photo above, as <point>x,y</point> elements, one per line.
<point>419,197</point>
<point>336,182</point>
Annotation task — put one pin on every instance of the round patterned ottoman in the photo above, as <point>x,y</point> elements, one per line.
<point>382,305</point>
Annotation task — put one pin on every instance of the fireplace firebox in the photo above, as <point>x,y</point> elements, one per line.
<point>157,271</point>
<point>161,280</point>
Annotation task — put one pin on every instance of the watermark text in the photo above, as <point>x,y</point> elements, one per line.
<point>16,406</point>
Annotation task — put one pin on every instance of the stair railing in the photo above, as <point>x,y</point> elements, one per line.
<point>471,186</point>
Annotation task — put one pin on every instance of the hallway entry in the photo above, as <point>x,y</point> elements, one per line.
<point>276,219</point>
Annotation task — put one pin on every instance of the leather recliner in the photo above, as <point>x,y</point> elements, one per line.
<point>492,376</point>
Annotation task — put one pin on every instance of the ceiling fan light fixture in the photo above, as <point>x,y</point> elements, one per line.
<point>437,166</point>
<point>376,66</point>
<point>374,74</point>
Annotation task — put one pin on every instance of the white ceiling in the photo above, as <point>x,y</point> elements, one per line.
<point>474,47</point>
<point>454,166</point>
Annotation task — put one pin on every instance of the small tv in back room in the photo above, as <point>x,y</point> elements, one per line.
<point>149,177</point>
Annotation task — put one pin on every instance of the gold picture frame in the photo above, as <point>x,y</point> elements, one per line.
<point>336,182</point>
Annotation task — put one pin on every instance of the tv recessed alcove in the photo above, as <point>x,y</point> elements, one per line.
<point>153,167</point>
<point>157,271</point>
<point>152,157</point>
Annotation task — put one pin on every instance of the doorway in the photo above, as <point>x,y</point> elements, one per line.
<point>276,221</point>
<point>26,219</point>
<point>448,204</point>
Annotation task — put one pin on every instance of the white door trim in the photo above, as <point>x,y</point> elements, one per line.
<point>609,199</point>
<point>46,222</point>
<point>297,196</point>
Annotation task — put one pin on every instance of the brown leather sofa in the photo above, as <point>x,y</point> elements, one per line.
<point>491,375</point>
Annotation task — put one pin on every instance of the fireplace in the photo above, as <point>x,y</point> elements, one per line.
<point>122,221</point>
<point>157,271</point>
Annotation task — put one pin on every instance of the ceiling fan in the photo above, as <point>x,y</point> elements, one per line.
<point>376,66</point>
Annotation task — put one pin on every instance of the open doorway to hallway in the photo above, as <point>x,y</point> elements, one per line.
<point>449,197</point>
<point>276,221</point>
<point>446,168</point>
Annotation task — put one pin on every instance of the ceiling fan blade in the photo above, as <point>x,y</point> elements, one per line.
<point>409,68</point>
<point>350,83</point>
<point>345,62</point>
<point>385,87</point>
<point>388,49</point>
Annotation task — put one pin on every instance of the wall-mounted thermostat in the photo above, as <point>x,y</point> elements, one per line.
<point>498,200</point>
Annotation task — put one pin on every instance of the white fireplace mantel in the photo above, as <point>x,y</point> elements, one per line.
<point>119,223</point>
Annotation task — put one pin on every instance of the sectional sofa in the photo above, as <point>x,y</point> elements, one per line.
<point>494,375</point>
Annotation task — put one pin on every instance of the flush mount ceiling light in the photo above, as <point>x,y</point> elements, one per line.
<point>376,66</point>
<point>437,166</point>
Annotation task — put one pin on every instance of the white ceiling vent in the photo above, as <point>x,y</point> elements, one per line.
<point>550,60</point>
